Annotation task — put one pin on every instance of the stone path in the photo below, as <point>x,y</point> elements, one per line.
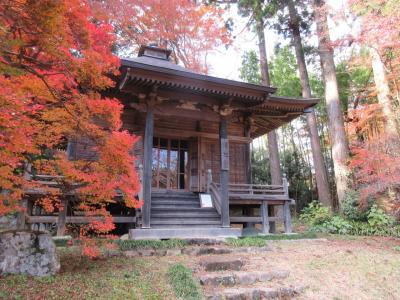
<point>230,277</point>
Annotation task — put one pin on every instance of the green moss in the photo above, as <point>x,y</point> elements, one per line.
<point>150,244</point>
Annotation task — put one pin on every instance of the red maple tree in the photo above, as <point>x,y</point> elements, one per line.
<point>55,59</point>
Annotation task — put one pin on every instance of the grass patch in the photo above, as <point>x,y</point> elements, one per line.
<point>150,244</point>
<point>104,279</point>
<point>396,248</point>
<point>182,282</point>
<point>249,241</point>
<point>61,242</point>
<point>295,236</point>
<point>259,240</point>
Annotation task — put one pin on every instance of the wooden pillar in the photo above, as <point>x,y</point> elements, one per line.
<point>264,217</point>
<point>147,162</point>
<point>224,174</point>
<point>62,216</point>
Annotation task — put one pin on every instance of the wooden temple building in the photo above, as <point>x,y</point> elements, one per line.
<point>196,132</point>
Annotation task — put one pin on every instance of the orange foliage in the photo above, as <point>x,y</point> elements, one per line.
<point>55,59</point>
<point>190,29</point>
<point>375,157</point>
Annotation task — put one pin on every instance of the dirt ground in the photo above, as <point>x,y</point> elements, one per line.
<point>328,268</point>
<point>333,268</point>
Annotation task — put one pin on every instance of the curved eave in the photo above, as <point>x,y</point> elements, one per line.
<point>278,111</point>
<point>198,82</point>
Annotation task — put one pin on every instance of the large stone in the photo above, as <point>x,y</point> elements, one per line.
<point>222,265</point>
<point>8,222</point>
<point>28,252</point>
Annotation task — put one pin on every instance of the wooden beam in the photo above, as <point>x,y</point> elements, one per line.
<point>224,173</point>
<point>164,132</point>
<point>77,219</point>
<point>147,163</point>
<point>245,219</point>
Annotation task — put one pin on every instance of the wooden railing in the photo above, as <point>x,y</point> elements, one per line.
<point>213,190</point>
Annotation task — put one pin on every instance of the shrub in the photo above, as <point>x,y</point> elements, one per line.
<point>315,214</point>
<point>338,225</point>
<point>378,219</point>
<point>350,207</point>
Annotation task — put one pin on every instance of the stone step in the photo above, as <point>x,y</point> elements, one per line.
<point>190,232</point>
<point>242,277</point>
<point>256,293</point>
<point>218,264</point>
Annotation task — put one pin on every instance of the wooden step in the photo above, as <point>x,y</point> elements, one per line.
<point>175,202</point>
<point>180,221</point>
<point>180,214</point>
<point>163,208</point>
<point>175,207</point>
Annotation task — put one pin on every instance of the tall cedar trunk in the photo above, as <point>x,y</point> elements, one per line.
<point>340,150</point>
<point>320,170</point>
<point>383,93</point>
<point>275,168</point>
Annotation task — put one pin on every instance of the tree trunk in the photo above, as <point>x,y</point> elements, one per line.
<point>383,93</point>
<point>275,168</point>
<point>320,170</point>
<point>340,151</point>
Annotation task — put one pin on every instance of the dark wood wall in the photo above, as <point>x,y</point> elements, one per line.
<point>204,147</point>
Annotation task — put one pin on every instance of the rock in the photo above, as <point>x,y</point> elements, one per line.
<point>222,265</point>
<point>173,252</point>
<point>241,277</point>
<point>204,241</point>
<point>28,252</point>
<point>131,253</point>
<point>124,237</point>
<point>205,251</point>
<point>147,252</point>
<point>218,280</point>
<point>8,222</point>
<point>246,277</point>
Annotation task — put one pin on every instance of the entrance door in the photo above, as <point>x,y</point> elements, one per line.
<point>170,160</point>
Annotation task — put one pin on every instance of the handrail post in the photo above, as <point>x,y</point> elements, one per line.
<point>285,186</point>
<point>209,180</point>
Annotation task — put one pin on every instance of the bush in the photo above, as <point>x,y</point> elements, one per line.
<point>351,209</point>
<point>338,225</point>
<point>315,214</point>
<point>377,222</point>
<point>378,219</point>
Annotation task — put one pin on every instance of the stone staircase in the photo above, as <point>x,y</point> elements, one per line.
<point>225,278</point>
<point>177,214</point>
